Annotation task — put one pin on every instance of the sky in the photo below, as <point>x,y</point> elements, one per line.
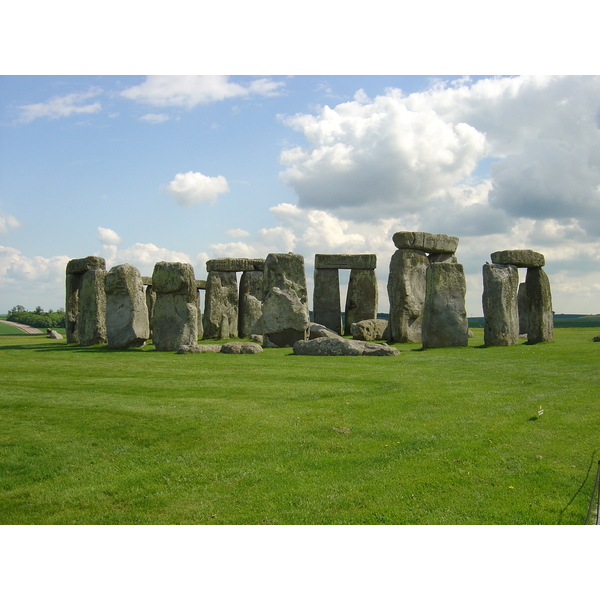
<point>139,169</point>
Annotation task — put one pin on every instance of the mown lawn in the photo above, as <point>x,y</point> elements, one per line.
<point>447,436</point>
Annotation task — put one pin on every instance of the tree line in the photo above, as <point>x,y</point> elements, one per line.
<point>37,318</point>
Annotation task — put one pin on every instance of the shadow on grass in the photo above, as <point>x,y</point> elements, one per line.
<point>562,512</point>
<point>70,347</point>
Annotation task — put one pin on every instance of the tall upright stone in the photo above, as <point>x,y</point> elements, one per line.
<point>86,301</point>
<point>500,306</point>
<point>285,307</point>
<point>541,322</point>
<point>361,298</point>
<point>523,303</point>
<point>406,291</point>
<point>250,306</point>
<point>127,324</point>
<point>175,321</point>
<point>444,314</point>
<point>326,299</point>
<point>221,305</point>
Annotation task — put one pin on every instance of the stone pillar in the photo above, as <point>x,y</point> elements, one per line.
<point>361,298</point>
<point>444,315</point>
<point>541,321</point>
<point>523,302</point>
<point>175,320</point>
<point>127,324</point>
<point>251,297</point>
<point>285,306</point>
<point>221,305</point>
<point>86,301</point>
<point>500,308</point>
<point>150,302</point>
<point>406,292</point>
<point>326,299</point>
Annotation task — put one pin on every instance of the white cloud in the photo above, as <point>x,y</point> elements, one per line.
<point>8,222</point>
<point>145,256</point>
<point>195,188</point>
<point>108,236</point>
<point>237,233</point>
<point>188,91</point>
<point>62,106</point>
<point>155,118</point>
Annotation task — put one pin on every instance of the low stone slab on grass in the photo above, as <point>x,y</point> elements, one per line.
<point>370,329</point>
<point>198,348</point>
<point>342,347</point>
<point>320,331</point>
<point>241,348</point>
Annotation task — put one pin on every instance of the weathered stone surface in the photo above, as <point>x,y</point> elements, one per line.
<point>198,348</point>
<point>201,284</point>
<point>127,323</point>
<point>500,308</point>
<point>342,347</point>
<point>596,338</point>
<point>91,316</point>
<point>361,298</point>
<point>436,243</point>
<point>85,319</point>
<point>523,304</point>
<point>221,306</point>
<point>241,348</point>
<point>541,322</point>
<point>519,258</point>
<point>318,331</point>
<point>345,261</point>
<point>257,338</point>
<point>175,319</point>
<point>235,264</point>
<point>54,335</point>
<point>444,315</point>
<point>285,306</point>
<point>406,293</point>
<point>326,299</point>
<point>146,280</point>
<point>451,258</point>
<point>81,265</point>
<point>150,301</point>
<point>250,307</point>
<point>370,330</point>
<point>470,333</point>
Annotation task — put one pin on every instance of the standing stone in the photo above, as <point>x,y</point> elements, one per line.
<point>221,305</point>
<point>523,302</point>
<point>85,301</point>
<point>444,315</point>
<point>200,318</point>
<point>500,308</point>
<point>175,321</point>
<point>150,302</point>
<point>127,323</point>
<point>361,298</point>
<point>406,291</point>
<point>326,299</point>
<point>541,323</point>
<point>251,297</point>
<point>285,307</point>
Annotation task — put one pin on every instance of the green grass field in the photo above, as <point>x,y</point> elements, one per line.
<point>446,436</point>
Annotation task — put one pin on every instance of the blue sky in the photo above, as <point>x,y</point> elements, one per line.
<point>139,169</point>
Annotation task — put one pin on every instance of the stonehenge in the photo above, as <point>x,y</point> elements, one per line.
<point>268,303</point>
<point>362,294</point>
<point>510,308</point>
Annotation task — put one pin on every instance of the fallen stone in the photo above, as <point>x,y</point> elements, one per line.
<point>519,258</point>
<point>241,348</point>
<point>436,243</point>
<point>257,338</point>
<point>54,335</point>
<point>319,331</point>
<point>596,338</point>
<point>369,330</point>
<point>342,347</point>
<point>198,348</point>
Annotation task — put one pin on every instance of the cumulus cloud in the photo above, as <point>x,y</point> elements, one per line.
<point>155,118</point>
<point>190,90</point>
<point>145,256</point>
<point>195,188</point>
<point>237,233</point>
<point>62,106</point>
<point>8,222</point>
<point>108,236</point>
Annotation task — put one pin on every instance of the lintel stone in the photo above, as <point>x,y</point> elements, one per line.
<point>346,261</point>
<point>235,264</point>
<point>81,265</point>
<point>436,243</point>
<point>519,258</point>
